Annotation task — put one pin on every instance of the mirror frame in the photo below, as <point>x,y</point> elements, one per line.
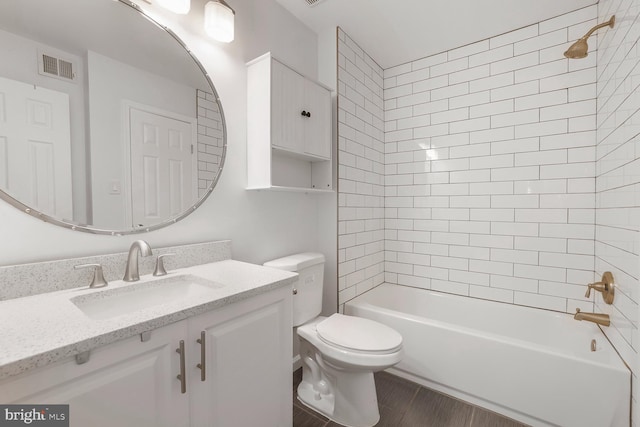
<point>94,230</point>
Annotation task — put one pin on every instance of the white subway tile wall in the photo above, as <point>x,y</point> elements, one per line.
<point>361,198</point>
<point>489,174</point>
<point>209,140</point>
<point>617,214</point>
<point>510,173</point>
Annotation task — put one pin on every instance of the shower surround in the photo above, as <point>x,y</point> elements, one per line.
<point>490,168</point>
<point>510,172</point>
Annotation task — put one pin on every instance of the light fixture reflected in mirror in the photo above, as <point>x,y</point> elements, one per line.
<point>176,6</point>
<point>218,21</point>
<point>579,49</point>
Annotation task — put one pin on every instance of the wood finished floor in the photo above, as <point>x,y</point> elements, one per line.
<point>406,404</point>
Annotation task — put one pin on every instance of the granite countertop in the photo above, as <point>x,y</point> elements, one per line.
<point>41,329</point>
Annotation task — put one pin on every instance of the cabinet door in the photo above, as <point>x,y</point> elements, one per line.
<point>318,127</point>
<point>287,97</point>
<point>248,364</point>
<point>126,384</point>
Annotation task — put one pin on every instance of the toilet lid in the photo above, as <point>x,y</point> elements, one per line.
<point>358,334</point>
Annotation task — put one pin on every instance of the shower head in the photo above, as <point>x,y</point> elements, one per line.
<point>579,49</point>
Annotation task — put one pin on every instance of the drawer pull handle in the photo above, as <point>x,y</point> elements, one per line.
<point>182,377</point>
<point>203,363</point>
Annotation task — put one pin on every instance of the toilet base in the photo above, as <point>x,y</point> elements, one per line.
<point>323,404</point>
<point>345,397</point>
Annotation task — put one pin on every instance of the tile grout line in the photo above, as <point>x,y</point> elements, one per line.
<point>413,398</point>
<point>473,413</point>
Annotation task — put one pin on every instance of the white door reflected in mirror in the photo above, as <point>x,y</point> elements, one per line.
<point>35,146</point>
<point>163,162</point>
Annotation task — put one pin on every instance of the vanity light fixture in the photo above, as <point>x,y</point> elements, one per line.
<point>176,6</point>
<point>579,49</point>
<point>218,20</point>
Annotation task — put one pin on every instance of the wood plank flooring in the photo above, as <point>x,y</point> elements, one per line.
<point>406,404</point>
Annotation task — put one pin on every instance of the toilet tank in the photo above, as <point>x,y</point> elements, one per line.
<point>307,298</point>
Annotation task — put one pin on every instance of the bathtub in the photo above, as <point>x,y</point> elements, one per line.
<point>535,366</point>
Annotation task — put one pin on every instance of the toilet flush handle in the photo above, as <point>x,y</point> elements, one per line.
<point>295,291</point>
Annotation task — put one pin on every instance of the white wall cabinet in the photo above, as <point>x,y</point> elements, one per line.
<point>289,131</point>
<point>246,379</point>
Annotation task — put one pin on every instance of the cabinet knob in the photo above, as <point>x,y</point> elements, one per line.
<point>306,113</point>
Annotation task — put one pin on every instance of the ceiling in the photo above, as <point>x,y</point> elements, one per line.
<point>121,33</point>
<point>395,32</point>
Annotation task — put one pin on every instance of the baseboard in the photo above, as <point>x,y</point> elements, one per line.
<point>297,363</point>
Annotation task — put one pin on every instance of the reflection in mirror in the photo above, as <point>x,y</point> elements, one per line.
<point>108,124</point>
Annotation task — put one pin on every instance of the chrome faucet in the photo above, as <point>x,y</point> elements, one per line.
<point>600,319</point>
<point>141,247</point>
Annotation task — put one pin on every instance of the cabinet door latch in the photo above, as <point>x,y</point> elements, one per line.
<point>145,336</point>
<point>82,358</point>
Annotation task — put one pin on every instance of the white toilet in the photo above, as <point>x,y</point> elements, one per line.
<point>339,353</point>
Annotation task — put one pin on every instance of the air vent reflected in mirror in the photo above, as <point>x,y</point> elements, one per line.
<point>55,67</point>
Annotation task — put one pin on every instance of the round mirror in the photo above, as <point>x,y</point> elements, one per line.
<point>108,123</point>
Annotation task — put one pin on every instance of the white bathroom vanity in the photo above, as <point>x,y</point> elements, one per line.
<point>196,347</point>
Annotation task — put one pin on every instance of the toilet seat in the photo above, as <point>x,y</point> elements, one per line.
<point>351,358</point>
<point>358,334</point>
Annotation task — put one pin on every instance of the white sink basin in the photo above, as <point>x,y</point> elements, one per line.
<point>134,297</point>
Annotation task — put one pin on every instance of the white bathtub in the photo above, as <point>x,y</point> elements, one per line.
<point>535,366</point>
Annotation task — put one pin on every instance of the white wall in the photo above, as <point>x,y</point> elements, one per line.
<point>360,171</point>
<point>111,83</point>
<point>617,175</point>
<point>327,204</point>
<point>261,225</point>
<point>490,160</point>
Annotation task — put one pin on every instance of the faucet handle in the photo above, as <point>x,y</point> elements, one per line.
<point>598,286</point>
<point>98,280</point>
<point>606,287</point>
<point>588,293</point>
<point>160,270</point>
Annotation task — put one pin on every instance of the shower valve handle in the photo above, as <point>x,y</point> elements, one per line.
<point>605,287</point>
<point>598,286</point>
